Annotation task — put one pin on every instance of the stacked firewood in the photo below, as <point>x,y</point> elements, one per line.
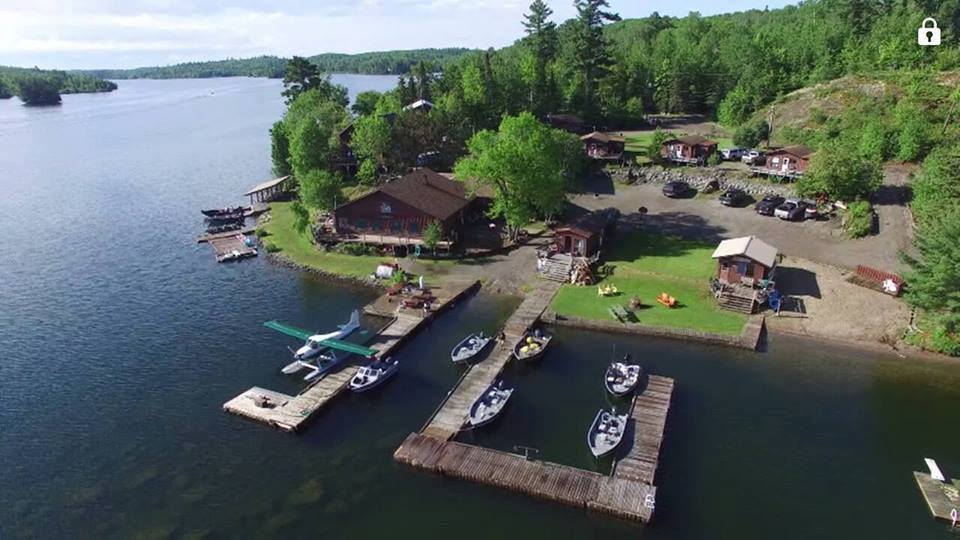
<point>581,273</point>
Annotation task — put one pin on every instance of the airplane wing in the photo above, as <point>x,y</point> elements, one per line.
<point>346,346</point>
<point>291,331</point>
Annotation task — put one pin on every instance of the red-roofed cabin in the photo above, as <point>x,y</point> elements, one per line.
<point>787,162</point>
<point>691,149</point>
<point>603,146</point>
<point>585,236</point>
<point>399,211</point>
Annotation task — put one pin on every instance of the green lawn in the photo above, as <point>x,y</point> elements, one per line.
<point>300,250</point>
<point>646,265</point>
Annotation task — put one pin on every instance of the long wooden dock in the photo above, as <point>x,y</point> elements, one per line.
<point>290,413</point>
<point>207,237</point>
<point>452,414</point>
<point>628,493</point>
<point>649,415</point>
<point>942,498</point>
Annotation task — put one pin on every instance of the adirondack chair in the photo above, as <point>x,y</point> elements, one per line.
<point>667,300</point>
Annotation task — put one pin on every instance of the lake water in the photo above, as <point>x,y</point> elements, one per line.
<point>120,339</point>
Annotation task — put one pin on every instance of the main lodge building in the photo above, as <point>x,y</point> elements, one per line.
<point>398,212</point>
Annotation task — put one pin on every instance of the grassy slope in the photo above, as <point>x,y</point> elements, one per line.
<point>646,265</point>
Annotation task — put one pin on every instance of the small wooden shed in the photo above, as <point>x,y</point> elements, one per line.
<point>745,261</point>
<point>786,162</point>
<point>586,235</point>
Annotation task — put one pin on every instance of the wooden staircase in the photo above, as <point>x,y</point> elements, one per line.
<point>556,268</point>
<point>737,301</point>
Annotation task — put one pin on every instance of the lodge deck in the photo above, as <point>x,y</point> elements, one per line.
<point>943,498</point>
<point>451,415</point>
<point>290,413</point>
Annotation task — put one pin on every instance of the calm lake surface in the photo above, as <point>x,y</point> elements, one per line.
<point>120,339</point>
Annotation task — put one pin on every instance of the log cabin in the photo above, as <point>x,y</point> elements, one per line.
<point>690,149</point>
<point>603,146</point>
<point>746,261</point>
<point>397,212</point>
<point>786,162</point>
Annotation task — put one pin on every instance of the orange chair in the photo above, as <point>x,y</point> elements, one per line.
<point>667,300</point>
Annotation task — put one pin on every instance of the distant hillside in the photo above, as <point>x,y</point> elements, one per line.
<point>372,63</point>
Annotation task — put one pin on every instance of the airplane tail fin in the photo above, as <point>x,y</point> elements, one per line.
<point>354,321</point>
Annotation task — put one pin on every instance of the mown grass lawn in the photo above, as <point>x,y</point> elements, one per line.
<point>300,250</point>
<point>646,265</point>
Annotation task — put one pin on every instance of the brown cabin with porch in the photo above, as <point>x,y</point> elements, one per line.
<point>603,146</point>
<point>398,212</point>
<point>586,235</point>
<point>746,261</point>
<point>691,149</point>
<point>786,162</point>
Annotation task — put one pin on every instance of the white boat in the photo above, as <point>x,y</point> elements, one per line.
<point>621,377</point>
<point>314,345</point>
<point>372,376</point>
<point>489,405</point>
<point>606,432</point>
<point>532,346</point>
<point>469,347</point>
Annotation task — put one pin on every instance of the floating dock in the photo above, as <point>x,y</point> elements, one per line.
<point>290,413</point>
<point>628,493</point>
<point>204,238</point>
<point>943,498</point>
<point>450,416</point>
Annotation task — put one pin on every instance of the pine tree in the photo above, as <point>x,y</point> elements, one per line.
<point>542,37</point>
<point>590,48</point>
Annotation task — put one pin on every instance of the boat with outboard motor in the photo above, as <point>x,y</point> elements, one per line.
<point>489,405</point>
<point>372,376</point>
<point>532,346</point>
<point>606,432</point>
<point>622,377</point>
<point>471,346</point>
<point>215,213</point>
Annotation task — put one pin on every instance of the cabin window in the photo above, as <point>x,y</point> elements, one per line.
<point>775,161</point>
<point>385,208</point>
<point>413,227</point>
<point>361,223</point>
<point>396,226</point>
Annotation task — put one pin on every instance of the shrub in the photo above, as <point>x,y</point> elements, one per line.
<point>357,249</point>
<point>261,232</point>
<point>750,135</point>
<point>271,247</point>
<point>714,159</point>
<point>858,221</point>
<point>399,277</point>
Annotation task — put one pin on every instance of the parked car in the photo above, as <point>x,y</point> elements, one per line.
<point>768,205</point>
<point>732,154</point>
<point>676,189</point>
<point>734,197</point>
<point>791,210</point>
<point>753,157</point>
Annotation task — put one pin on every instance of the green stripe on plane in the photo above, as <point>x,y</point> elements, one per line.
<point>346,346</point>
<point>291,331</point>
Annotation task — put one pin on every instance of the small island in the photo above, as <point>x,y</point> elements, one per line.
<point>37,87</point>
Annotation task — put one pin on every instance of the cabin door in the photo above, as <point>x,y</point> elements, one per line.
<point>679,151</point>
<point>567,244</point>
<point>786,164</point>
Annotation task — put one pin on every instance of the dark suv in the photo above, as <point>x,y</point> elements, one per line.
<point>768,205</point>
<point>734,197</point>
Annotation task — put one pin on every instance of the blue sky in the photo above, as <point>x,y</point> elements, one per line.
<point>130,33</point>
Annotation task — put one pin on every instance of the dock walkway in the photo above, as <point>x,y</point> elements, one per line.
<point>451,416</point>
<point>943,498</point>
<point>629,493</point>
<point>290,413</point>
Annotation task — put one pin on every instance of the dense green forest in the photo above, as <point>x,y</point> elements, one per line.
<point>43,87</point>
<point>869,94</point>
<point>373,63</point>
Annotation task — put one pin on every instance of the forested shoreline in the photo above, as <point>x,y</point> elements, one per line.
<point>370,63</point>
